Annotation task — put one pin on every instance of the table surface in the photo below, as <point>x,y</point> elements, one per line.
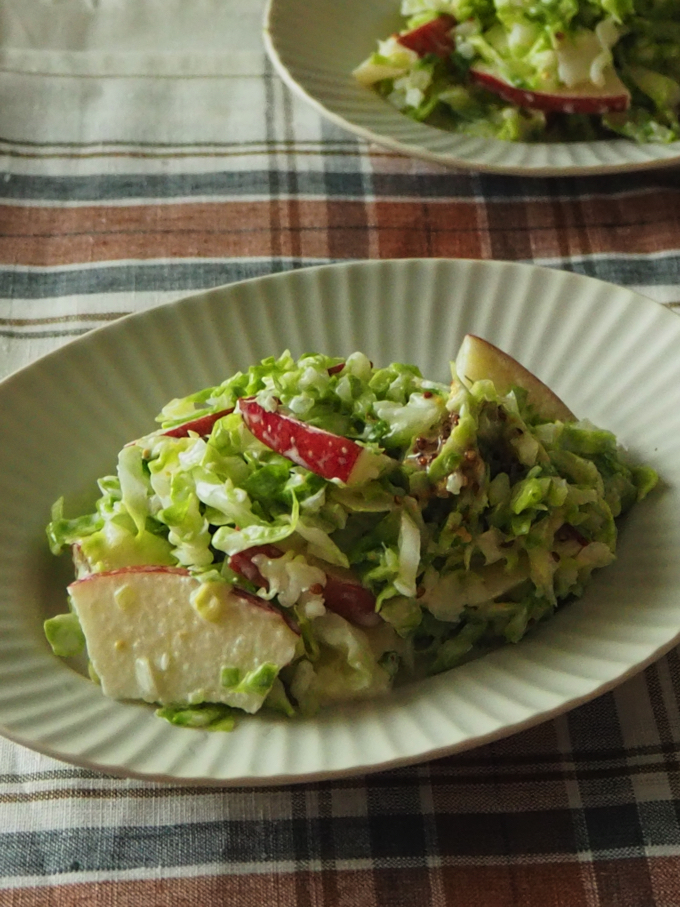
<point>133,176</point>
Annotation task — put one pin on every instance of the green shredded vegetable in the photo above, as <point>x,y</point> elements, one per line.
<point>480,519</point>
<point>559,70</point>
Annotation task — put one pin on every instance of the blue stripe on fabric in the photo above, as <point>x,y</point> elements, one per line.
<point>492,188</point>
<point>652,271</point>
<point>341,178</point>
<point>537,188</point>
<point>230,842</point>
<point>99,189</point>
<point>45,335</point>
<point>611,830</point>
<point>140,276</point>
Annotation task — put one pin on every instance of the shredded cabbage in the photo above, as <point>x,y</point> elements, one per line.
<point>485,520</point>
<point>597,49</point>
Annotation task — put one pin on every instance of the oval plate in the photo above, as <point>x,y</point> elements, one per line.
<point>316,46</point>
<point>610,354</point>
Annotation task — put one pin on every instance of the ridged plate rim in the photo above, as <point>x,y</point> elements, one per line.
<point>93,394</point>
<point>304,41</point>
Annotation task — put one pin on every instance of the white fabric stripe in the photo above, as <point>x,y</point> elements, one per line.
<point>571,784</point>
<point>71,812</point>
<point>526,197</point>
<point>91,64</point>
<point>142,874</point>
<point>433,860</point>
<point>150,201</point>
<point>198,110</point>
<point>101,805</point>
<point>668,294</point>
<point>84,161</point>
<point>85,38</point>
<point>85,304</point>
<point>605,256</point>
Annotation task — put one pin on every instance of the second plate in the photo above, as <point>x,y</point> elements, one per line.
<point>315,46</point>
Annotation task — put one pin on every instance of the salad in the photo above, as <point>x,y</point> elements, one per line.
<point>535,70</point>
<point>316,530</point>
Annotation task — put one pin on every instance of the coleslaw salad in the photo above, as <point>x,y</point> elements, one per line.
<point>559,70</point>
<point>316,530</point>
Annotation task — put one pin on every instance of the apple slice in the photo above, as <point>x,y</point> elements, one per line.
<point>611,97</point>
<point>342,592</point>
<point>478,359</point>
<point>434,37</point>
<point>201,426</point>
<point>243,564</point>
<point>148,638</point>
<point>344,595</point>
<point>329,456</point>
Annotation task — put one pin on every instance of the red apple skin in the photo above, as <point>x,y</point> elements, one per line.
<point>258,602</point>
<point>566,101</point>
<point>350,600</point>
<point>431,38</point>
<point>202,426</point>
<point>329,456</point>
<point>119,571</point>
<point>343,595</point>
<point>242,563</point>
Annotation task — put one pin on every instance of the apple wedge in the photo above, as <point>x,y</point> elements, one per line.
<point>242,563</point>
<point>611,97</point>
<point>201,426</point>
<point>434,37</point>
<point>157,635</point>
<point>342,593</point>
<point>478,359</point>
<point>329,456</point>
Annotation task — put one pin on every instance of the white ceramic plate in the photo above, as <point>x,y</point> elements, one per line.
<point>611,354</point>
<point>315,45</point>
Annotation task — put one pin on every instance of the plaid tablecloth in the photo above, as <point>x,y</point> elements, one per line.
<point>147,151</point>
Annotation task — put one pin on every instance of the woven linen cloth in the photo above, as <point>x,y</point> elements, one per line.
<point>148,151</point>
